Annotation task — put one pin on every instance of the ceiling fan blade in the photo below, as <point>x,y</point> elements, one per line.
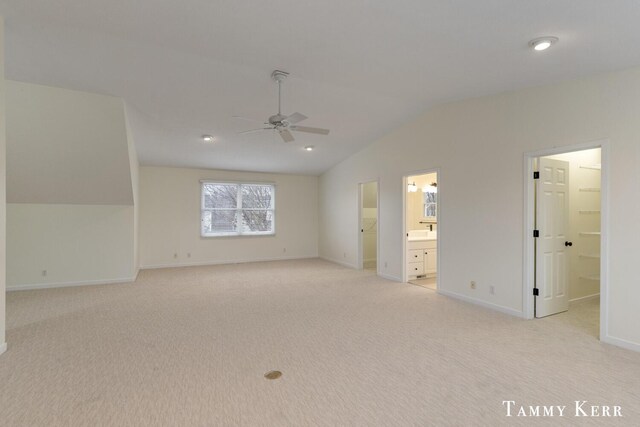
<point>286,135</point>
<point>307,129</point>
<point>295,118</point>
<point>254,130</point>
<point>246,118</point>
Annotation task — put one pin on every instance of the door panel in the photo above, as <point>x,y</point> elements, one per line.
<point>552,216</point>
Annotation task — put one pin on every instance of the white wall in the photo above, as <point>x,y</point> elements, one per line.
<point>66,146</point>
<point>3,198</point>
<point>76,244</point>
<point>135,186</point>
<point>170,219</point>
<point>479,145</point>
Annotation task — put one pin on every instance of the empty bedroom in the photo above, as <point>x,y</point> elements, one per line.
<point>296,213</point>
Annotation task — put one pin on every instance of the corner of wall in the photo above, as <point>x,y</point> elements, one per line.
<point>135,184</point>
<point>3,198</point>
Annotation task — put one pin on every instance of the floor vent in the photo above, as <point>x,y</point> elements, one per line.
<point>273,375</point>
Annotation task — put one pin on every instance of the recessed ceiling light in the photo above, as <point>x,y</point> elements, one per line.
<point>543,43</point>
<point>309,148</point>
<point>207,138</point>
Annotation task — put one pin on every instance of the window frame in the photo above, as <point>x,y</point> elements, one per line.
<point>238,209</point>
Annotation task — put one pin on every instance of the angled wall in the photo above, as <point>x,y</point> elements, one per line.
<point>66,147</point>
<point>71,188</point>
<point>479,146</point>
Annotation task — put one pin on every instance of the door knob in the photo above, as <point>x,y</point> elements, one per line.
<point>568,243</point>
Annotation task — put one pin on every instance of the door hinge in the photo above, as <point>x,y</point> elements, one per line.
<point>536,175</point>
<point>536,292</point>
<point>536,233</point>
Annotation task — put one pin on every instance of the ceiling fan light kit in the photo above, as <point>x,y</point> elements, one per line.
<point>281,123</point>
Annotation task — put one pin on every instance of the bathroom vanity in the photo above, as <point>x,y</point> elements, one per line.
<point>422,254</point>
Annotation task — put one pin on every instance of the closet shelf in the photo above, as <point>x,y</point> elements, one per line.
<point>590,190</point>
<point>595,278</point>
<point>581,212</point>
<point>593,167</point>
<point>589,233</point>
<point>595,256</point>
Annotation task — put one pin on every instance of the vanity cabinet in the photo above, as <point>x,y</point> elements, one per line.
<point>422,258</point>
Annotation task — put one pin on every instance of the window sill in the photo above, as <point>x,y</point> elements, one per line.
<point>233,236</point>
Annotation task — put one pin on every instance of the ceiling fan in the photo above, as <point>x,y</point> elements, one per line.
<point>281,123</point>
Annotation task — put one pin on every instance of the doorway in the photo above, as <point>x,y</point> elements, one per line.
<point>421,229</point>
<point>368,252</point>
<point>566,218</point>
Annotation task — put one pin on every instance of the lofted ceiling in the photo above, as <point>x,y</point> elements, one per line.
<point>359,67</point>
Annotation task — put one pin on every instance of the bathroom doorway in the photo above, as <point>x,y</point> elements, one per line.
<point>368,253</point>
<point>568,216</point>
<point>421,229</point>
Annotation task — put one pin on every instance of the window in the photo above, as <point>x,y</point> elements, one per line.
<point>430,205</point>
<point>235,209</point>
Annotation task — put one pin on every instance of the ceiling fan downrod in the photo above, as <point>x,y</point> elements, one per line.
<point>279,76</point>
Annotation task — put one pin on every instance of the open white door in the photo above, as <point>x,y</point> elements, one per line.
<point>368,251</point>
<point>552,221</point>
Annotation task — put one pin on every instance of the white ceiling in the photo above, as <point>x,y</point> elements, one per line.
<point>359,67</point>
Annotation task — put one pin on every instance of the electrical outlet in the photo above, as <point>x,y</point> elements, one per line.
<point>345,254</point>
<point>284,250</point>
<point>188,254</point>
<point>175,255</point>
<point>44,273</point>
<point>473,284</point>
<point>385,264</point>
<point>492,290</point>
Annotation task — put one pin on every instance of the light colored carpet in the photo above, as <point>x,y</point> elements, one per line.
<point>190,346</point>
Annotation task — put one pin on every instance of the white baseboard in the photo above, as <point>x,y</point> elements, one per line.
<point>29,287</point>
<point>485,304</point>
<point>235,261</point>
<point>621,343</point>
<point>390,277</point>
<point>585,298</point>
<point>346,264</point>
<point>3,347</point>
<point>335,261</point>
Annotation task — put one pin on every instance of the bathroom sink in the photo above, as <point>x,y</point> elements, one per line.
<point>415,235</point>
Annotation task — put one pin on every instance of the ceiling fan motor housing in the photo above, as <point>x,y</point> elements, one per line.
<point>277,120</point>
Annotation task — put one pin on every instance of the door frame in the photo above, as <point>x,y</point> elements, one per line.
<point>360,233</point>
<point>405,183</point>
<point>529,214</point>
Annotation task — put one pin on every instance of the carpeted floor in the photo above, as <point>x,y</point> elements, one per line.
<point>190,346</point>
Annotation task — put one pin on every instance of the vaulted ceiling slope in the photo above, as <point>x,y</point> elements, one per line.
<point>66,147</point>
<point>359,67</point>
